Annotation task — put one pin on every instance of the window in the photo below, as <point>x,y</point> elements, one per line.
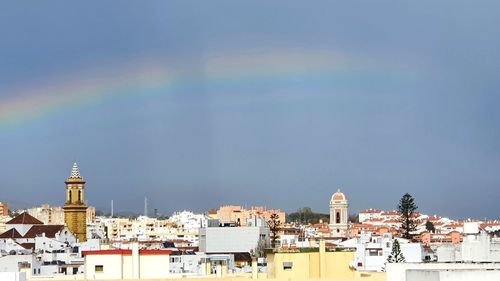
<point>287,265</point>
<point>99,268</point>
<point>337,217</point>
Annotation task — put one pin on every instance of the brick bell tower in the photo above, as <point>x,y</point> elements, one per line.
<point>75,210</point>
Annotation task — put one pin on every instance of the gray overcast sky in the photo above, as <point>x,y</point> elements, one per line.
<point>195,104</point>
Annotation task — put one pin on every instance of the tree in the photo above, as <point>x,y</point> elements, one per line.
<point>395,256</point>
<point>407,208</point>
<point>305,215</point>
<point>274,225</point>
<point>259,250</point>
<point>429,226</point>
<point>354,218</point>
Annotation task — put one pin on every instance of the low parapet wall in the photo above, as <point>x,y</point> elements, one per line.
<point>12,276</point>
<point>443,271</point>
<point>358,277</point>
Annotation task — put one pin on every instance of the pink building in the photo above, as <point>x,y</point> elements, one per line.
<point>240,215</point>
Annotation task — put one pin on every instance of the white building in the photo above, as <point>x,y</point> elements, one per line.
<point>13,276</point>
<point>477,246</point>
<point>189,220</point>
<point>372,251</point>
<point>244,239</point>
<point>199,264</point>
<point>369,214</point>
<point>127,264</point>
<point>339,215</point>
<point>44,249</point>
<point>143,228</point>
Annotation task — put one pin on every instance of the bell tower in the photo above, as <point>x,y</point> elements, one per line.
<point>339,214</point>
<point>75,210</point>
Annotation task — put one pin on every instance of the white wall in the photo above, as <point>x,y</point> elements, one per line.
<point>452,275</point>
<point>48,244</point>
<point>8,245</point>
<point>121,267</point>
<point>66,236</point>
<point>12,276</point>
<point>112,266</point>
<point>186,264</point>
<point>467,275</point>
<point>230,239</point>
<point>89,245</point>
<point>154,266</point>
<point>21,228</point>
<point>11,263</point>
<point>447,271</point>
<point>411,251</point>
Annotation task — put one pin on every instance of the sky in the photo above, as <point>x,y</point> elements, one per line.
<point>198,104</point>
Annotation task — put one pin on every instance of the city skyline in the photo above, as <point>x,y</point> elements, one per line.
<point>172,103</point>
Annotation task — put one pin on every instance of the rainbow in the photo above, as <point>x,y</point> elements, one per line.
<point>149,76</point>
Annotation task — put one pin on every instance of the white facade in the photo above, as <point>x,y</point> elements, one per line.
<point>189,220</point>
<point>476,247</point>
<point>14,263</point>
<point>372,251</point>
<point>21,228</point>
<point>149,229</point>
<point>443,271</point>
<point>127,264</point>
<point>12,276</point>
<point>232,239</point>
<point>196,264</point>
<point>181,264</point>
<point>369,215</point>
<point>8,246</point>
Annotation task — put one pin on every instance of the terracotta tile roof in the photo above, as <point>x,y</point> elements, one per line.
<point>391,213</point>
<point>434,218</point>
<point>24,218</point>
<point>49,230</point>
<point>11,233</point>
<point>371,211</point>
<point>374,220</point>
<point>454,225</point>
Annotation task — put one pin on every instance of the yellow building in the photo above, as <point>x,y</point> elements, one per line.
<point>318,263</point>
<point>75,209</point>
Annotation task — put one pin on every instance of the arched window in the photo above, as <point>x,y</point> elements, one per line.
<point>70,196</point>
<point>337,217</point>
<point>79,196</point>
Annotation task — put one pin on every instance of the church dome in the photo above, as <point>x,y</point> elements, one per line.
<point>338,196</point>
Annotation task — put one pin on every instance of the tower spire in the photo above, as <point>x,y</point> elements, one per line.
<point>75,172</point>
